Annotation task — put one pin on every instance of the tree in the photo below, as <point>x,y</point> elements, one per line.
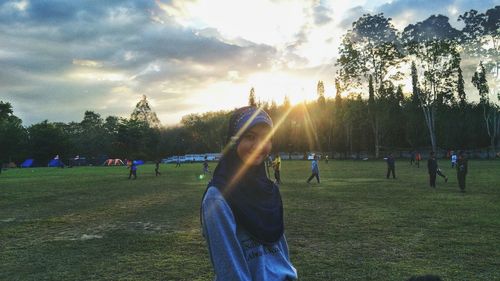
<point>491,111</point>
<point>481,38</point>
<point>320,90</point>
<point>434,51</point>
<point>144,113</point>
<point>370,49</point>
<point>251,98</point>
<point>13,136</point>
<point>93,140</point>
<point>462,98</point>
<point>47,140</point>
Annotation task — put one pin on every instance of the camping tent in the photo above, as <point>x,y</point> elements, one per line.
<point>27,163</point>
<point>56,162</point>
<point>113,162</point>
<point>138,162</point>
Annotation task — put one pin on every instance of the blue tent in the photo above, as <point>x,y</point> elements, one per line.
<point>27,163</point>
<point>56,163</point>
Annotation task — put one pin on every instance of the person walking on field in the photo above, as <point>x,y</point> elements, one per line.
<point>178,162</point>
<point>277,168</point>
<point>462,170</point>
<point>205,166</point>
<point>314,169</point>
<point>391,166</point>
<point>157,168</point>
<point>241,211</point>
<point>433,169</point>
<point>133,170</point>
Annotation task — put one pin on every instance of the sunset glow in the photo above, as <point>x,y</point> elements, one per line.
<point>185,56</point>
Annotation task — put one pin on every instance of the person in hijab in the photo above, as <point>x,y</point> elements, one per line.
<point>241,209</point>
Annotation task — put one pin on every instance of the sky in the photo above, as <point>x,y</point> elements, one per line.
<point>59,58</point>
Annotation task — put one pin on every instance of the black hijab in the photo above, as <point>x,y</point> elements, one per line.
<point>254,199</point>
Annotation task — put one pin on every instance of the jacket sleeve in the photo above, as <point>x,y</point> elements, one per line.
<point>228,258</point>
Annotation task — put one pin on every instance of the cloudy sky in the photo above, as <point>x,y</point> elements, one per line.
<point>59,58</point>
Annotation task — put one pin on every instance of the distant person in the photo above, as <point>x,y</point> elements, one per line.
<point>462,170</point>
<point>425,278</point>
<point>133,170</point>
<point>178,162</point>
<point>242,211</point>
<point>326,159</point>
<point>432,167</point>
<point>412,157</point>
<point>418,157</point>
<point>205,166</point>
<point>454,159</point>
<point>277,168</point>
<point>157,168</point>
<point>391,166</point>
<point>314,169</point>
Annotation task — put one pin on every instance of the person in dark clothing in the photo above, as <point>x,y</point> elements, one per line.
<point>205,166</point>
<point>391,166</point>
<point>157,168</point>
<point>461,170</point>
<point>133,170</point>
<point>432,168</point>
<point>412,157</point>
<point>178,162</point>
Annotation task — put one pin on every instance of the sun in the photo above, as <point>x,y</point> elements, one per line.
<point>275,86</point>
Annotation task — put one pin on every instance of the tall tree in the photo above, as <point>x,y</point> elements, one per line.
<point>491,111</point>
<point>93,140</point>
<point>481,40</point>
<point>432,46</point>
<point>143,113</point>
<point>370,49</point>
<point>251,98</point>
<point>320,91</point>
<point>462,97</point>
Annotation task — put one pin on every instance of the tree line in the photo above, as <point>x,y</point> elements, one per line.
<point>370,112</point>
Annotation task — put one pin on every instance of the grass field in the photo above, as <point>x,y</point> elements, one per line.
<point>92,223</point>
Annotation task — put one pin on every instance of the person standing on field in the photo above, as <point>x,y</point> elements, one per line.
<point>453,159</point>
<point>391,166</point>
<point>133,170</point>
<point>241,211</point>
<point>277,168</point>
<point>462,169</point>
<point>418,157</point>
<point>432,169</point>
<point>205,165</point>
<point>157,168</point>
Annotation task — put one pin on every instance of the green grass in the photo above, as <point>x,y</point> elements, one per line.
<point>93,223</point>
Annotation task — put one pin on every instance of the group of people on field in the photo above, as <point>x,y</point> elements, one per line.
<point>457,161</point>
<point>241,212</point>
